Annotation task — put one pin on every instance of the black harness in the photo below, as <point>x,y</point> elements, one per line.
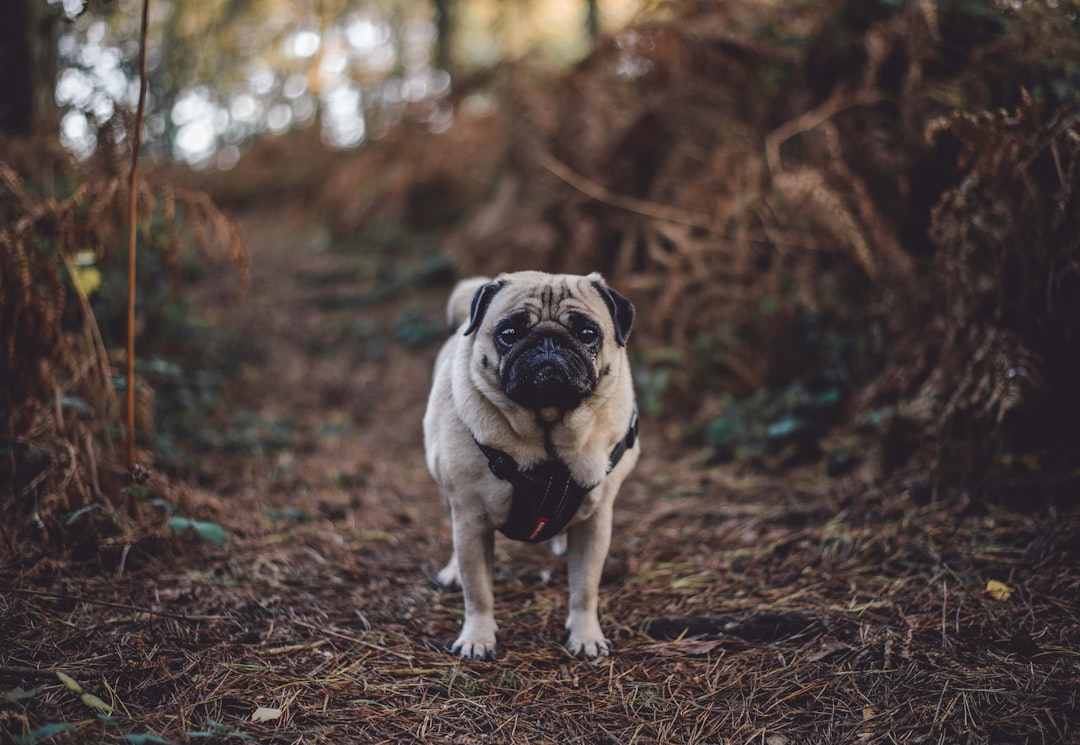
<point>546,497</point>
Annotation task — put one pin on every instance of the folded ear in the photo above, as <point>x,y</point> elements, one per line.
<point>480,302</point>
<point>622,311</point>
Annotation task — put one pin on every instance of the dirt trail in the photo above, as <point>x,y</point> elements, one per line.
<point>350,395</point>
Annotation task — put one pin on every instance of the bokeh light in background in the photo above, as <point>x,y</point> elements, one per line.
<point>220,75</point>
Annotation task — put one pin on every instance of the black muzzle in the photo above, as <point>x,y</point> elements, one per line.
<point>549,371</point>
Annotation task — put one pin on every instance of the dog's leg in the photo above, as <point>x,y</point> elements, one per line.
<point>474,555</point>
<point>588,544</point>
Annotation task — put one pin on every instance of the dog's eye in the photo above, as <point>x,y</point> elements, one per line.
<point>508,335</point>
<point>587,335</point>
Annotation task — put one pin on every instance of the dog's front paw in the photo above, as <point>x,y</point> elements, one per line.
<point>588,647</point>
<point>477,640</point>
<point>586,639</point>
<point>474,649</point>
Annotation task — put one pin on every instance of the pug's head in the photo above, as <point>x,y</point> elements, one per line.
<point>547,340</point>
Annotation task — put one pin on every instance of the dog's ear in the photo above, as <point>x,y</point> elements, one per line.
<point>480,302</point>
<point>622,311</point>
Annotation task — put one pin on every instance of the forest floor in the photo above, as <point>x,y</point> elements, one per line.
<point>744,607</point>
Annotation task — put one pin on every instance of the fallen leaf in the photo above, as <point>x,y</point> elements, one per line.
<point>69,682</point>
<point>265,714</point>
<point>147,739</point>
<point>296,647</point>
<point>88,278</point>
<point>18,694</point>
<point>210,532</point>
<point>998,590</point>
<point>95,703</point>
<point>828,647</point>
<point>693,647</point>
<point>44,732</point>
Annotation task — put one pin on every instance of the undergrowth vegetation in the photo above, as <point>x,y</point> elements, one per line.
<point>63,285</point>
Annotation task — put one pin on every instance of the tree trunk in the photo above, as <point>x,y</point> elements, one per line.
<point>592,20</point>
<point>28,65</point>
<point>444,24</point>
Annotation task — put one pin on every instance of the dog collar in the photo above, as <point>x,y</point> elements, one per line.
<point>546,497</point>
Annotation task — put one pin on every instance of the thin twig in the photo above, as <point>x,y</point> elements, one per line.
<point>91,466</point>
<point>110,604</point>
<point>132,200</point>
<point>630,204</point>
<point>944,607</point>
<point>14,184</point>
<point>27,672</point>
<point>808,120</point>
<point>8,539</point>
<point>94,341</point>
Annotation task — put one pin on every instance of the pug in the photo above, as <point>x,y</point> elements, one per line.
<point>530,429</point>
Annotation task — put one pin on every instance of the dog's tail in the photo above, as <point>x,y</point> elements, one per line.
<point>457,308</point>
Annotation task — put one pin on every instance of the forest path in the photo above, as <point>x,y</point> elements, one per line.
<point>332,399</point>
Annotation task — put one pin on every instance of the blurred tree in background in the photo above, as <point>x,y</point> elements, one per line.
<point>223,72</point>
<point>28,67</point>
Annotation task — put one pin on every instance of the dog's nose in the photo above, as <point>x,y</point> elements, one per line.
<point>546,349</point>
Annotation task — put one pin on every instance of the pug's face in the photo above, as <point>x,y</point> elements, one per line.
<point>547,340</point>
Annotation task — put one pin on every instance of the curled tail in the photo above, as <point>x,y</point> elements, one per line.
<point>457,308</point>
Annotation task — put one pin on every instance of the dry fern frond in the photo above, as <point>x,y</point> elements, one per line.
<point>48,367</point>
<point>1009,242</point>
<point>807,193</point>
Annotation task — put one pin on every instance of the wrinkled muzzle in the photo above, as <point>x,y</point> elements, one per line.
<point>548,371</point>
